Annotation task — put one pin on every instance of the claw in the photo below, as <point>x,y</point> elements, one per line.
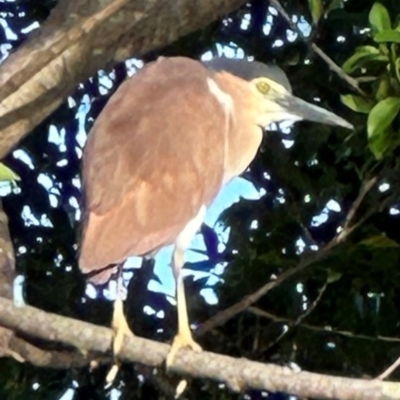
<point>181,341</point>
<point>120,328</point>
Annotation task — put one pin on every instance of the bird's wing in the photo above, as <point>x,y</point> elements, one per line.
<point>154,156</point>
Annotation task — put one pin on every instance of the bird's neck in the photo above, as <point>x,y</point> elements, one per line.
<point>244,135</point>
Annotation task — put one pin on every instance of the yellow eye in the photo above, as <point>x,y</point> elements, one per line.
<point>263,87</point>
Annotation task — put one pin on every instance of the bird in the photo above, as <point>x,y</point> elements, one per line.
<point>164,145</point>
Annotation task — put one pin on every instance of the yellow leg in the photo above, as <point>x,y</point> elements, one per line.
<point>119,325</point>
<point>120,328</point>
<point>184,337</point>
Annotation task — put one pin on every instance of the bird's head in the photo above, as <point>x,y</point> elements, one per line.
<point>277,102</point>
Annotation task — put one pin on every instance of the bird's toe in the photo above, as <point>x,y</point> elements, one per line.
<point>181,341</point>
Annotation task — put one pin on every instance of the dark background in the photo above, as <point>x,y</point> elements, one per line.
<point>359,280</point>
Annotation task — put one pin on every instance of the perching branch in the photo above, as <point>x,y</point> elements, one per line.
<point>237,374</point>
<point>24,351</point>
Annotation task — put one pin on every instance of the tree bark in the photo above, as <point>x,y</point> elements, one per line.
<point>237,374</point>
<point>79,38</point>
<point>7,273</point>
<point>17,347</point>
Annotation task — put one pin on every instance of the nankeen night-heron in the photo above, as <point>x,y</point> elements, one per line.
<point>164,145</point>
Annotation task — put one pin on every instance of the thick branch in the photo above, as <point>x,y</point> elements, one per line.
<point>238,374</point>
<point>23,351</point>
<point>79,38</point>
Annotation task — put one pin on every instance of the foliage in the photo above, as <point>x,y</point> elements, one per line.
<point>310,179</point>
<point>378,66</point>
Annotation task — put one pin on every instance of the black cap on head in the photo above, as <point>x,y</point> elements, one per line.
<point>249,70</point>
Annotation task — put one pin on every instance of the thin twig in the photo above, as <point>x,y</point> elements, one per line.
<point>339,71</point>
<point>307,260</point>
<point>326,329</point>
<point>332,65</point>
<point>389,370</point>
<point>298,320</point>
<point>366,187</point>
<point>230,312</point>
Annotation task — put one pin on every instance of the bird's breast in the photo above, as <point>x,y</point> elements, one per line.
<point>242,144</point>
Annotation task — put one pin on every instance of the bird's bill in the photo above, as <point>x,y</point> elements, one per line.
<point>300,109</point>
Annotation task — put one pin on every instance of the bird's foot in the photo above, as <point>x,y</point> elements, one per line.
<point>121,329</point>
<point>182,341</point>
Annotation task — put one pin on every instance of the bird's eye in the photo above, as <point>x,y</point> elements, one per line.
<point>263,87</point>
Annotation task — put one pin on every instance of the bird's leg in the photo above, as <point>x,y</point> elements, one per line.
<point>184,337</point>
<point>119,325</point>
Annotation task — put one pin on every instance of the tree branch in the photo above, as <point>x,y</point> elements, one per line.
<point>353,83</point>
<point>247,301</point>
<point>237,374</point>
<point>56,359</point>
<point>365,188</point>
<point>389,370</point>
<point>37,78</point>
<point>293,323</point>
<point>17,347</point>
<point>307,260</point>
<point>7,257</point>
<point>265,314</point>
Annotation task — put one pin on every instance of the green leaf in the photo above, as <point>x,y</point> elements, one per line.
<point>315,7</point>
<point>389,35</point>
<point>379,18</point>
<point>379,241</point>
<point>357,103</point>
<point>383,87</point>
<point>384,49</point>
<point>393,52</point>
<point>363,55</point>
<point>6,174</point>
<point>379,121</point>
<point>334,5</point>
<point>397,68</point>
<point>333,276</point>
<point>380,144</point>
<point>382,115</point>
